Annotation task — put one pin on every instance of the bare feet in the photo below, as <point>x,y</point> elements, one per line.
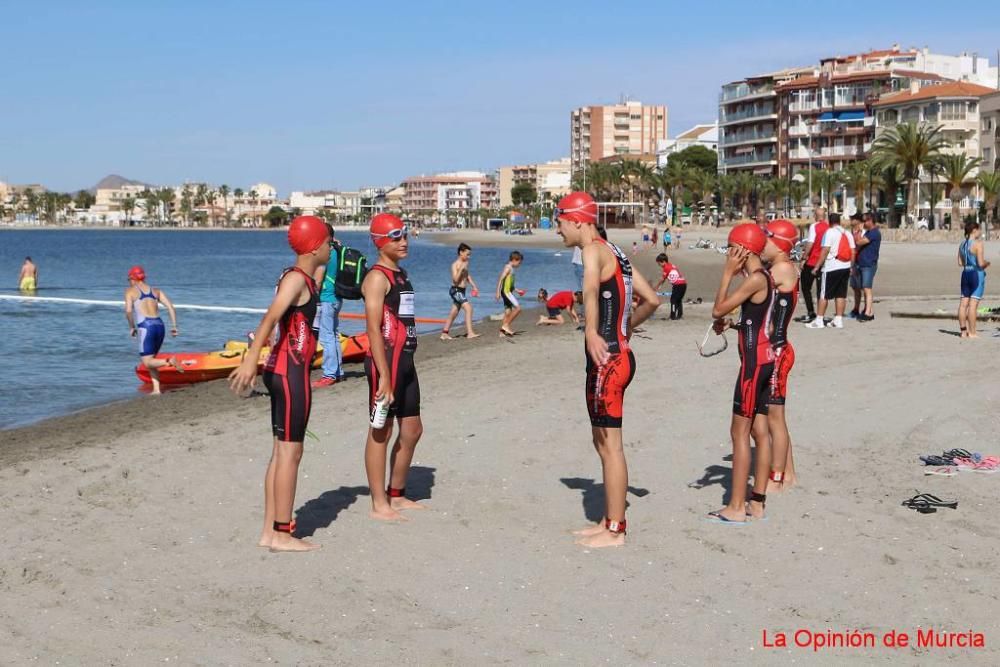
<point>266,538</point>
<point>755,510</point>
<point>605,538</point>
<point>285,542</point>
<point>774,487</point>
<point>592,529</point>
<point>473,335</point>
<point>176,364</point>
<point>405,504</point>
<point>386,514</point>
<point>790,481</point>
<point>445,336</point>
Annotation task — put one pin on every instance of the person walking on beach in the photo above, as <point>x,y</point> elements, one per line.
<point>286,376</point>
<point>27,281</point>
<point>142,312</point>
<point>678,285</point>
<point>555,306</point>
<point>869,244</point>
<point>392,376</point>
<point>460,280</point>
<point>836,257</point>
<point>753,384</point>
<point>609,285</point>
<point>782,236</point>
<point>812,268</point>
<point>972,259</point>
<point>508,292</point>
<point>330,305</point>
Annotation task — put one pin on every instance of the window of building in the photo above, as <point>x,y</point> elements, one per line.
<point>987,155</point>
<point>911,115</point>
<point>953,110</point>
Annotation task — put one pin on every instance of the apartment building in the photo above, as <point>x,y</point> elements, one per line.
<point>342,204</point>
<point>989,131</point>
<point>394,200</point>
<point>705,134</point>
<point>550,179</point>
<point>617,130</point>
<point>109,199</point>
<point>450,192</point>
<point>748,122</point>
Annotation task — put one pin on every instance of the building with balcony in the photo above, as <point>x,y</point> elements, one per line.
<point>748,122</point>
<point>452,192</point>
<point>989,131</point>
<point>550,179</point>
<point>706,135</point>
<point>619,130</point>
<point>341,204</point>
<point>110,199</point>
<point>394,200</point>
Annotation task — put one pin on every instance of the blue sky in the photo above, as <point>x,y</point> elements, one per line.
<point>339,95</point>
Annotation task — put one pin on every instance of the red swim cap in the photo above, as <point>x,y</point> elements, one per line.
<point>306,233</point>
<point>750,236</point>
<point>783,234</point>
<point>381,225</point>
<point>577,207</point>
<point>136,273</point>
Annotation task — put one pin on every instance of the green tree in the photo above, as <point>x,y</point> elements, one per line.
<point>699,157</point>
<point>83,199</point>
<point>892,179</point>
<point>31,202</point>
<point>276,216</point>
<point>989,181</point>
<point>128,206</point>
<point>956,170</point>
<point>744,184</point>
<point>909,147</point>
<point>187,203</point>
<point>857,176</point>
<point>151,205</point>
<point>167,196</point>
<point>224,193</point>
<point>523,193</point>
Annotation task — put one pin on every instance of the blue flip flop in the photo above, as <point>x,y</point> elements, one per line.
<point>716,517</point>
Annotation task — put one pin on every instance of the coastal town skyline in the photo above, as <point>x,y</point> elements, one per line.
<point>207,105</point>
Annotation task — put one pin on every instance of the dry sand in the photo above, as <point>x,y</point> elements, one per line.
<point>131,528</point>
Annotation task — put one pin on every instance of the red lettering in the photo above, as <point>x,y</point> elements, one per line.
<point>780,640</point>
<point>803,638</point>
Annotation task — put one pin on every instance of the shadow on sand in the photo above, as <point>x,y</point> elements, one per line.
<point>593,495</point>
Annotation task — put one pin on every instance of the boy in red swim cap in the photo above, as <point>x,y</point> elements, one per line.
<point>609,285</point>
<point>392,333</point>
<point>286,376</point>
<point>142,310</point>
<point>753,296</point>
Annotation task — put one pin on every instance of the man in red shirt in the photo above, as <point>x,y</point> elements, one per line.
<point>559,302</point>
<point>678,285</point>
<point>812,270</point>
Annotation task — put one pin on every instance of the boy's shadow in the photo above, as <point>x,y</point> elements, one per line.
<point>322,511</point>
<point>593,496</point>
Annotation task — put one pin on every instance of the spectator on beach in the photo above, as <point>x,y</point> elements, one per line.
<point>28,280</point>
<point>635,248</point>
<point>836,258</point>
<point>559,302</point>
<point>812,269</point>
<point>667,239</point>
<point>677,238</point>
<point>654,237</point>
<point>678,285</point>
<point>972,259</point>
<point>869,244</point>
<point>460,280</point>
<point>329,317</point>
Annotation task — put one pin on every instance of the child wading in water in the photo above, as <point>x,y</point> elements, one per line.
<point>508,292</point>
<point>286,376</point>
<point>392,333</point>
<point>608,287</point>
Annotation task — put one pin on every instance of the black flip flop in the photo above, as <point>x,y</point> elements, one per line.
<point>926,503</point>
<point>957,454</point>
<point>935,460</point>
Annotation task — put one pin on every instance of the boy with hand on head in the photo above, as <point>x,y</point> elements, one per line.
<point>460,279</point>
<point>608,288</point>
<point>286,376</point>
<point>508,292</point>
<point>559,302</point>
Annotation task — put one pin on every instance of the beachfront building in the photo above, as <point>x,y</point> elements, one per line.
<point>394,200</point>
<point>955,107</point>
<point>450,194</point>
<point>110,199</point>
<point>748,122</point>
<point>706,134</point>
<point>550,179</point>
<point>629,128</point>
<point>341,204</point>
<point>989,131</point>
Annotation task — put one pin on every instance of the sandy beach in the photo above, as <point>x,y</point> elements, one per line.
<point>132,527</point>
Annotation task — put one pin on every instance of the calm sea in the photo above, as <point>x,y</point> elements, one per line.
<point>59,358</point>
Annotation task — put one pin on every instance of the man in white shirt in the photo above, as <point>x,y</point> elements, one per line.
<point>836,262</point>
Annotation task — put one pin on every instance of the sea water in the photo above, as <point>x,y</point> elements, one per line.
<point>56,358</point>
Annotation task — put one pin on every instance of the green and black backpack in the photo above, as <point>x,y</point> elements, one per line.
<point>351,269</point>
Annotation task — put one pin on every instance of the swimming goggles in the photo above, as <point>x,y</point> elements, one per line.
<point>393,234</point>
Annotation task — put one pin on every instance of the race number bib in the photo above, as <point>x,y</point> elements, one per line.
<point>406,304</point>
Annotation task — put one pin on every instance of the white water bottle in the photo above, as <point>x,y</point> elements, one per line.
<point>380,411</point>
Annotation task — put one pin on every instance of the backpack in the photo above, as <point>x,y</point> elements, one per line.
<point>352,266</point>
<point>844,247</point>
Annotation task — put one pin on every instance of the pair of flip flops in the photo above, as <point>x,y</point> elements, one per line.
<point>978,463</point>
<point>947,458</point>
<point>925,503</point>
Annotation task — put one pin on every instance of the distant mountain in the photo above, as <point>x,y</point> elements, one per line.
<point>115,181</point>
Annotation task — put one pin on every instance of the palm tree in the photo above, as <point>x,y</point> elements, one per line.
<point>744,184</point>
<point>857,177</point>
<point>891,178</point>
<point>909,147</point>
<point>201,195</point>
<point>187,196</point>
<point>224,191</point>
<point>989,181</point>
<point>31,202</point>
<point>797,192</point>
<point>957,170</point>
<point>210,196</point>
<point>778,189</point>
<point>167,197</point>
<point>127,205</point>
<point>151,205</point>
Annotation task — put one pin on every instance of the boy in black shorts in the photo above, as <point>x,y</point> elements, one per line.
<point>460,280</point>
<point>508,292</point>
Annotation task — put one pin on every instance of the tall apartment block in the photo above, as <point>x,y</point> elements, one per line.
<point>618,130</point>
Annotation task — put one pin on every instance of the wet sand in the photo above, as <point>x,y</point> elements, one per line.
<point>131,528</point>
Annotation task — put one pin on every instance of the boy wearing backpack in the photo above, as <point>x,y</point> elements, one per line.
<point>836,258</point>
<point>340,279</point>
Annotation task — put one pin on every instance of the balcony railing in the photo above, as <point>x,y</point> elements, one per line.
<point>749,158</point>
<point>840,151</point>
<point>803,106</point>
<point>754,112</point>
<point>743,137</point>
<point>744,90</point>
<point>800,130</point>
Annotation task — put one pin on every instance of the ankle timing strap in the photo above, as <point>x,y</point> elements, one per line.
<point>396,493</point>
<point>776,476</point>
<point>282,527</point>
<point>758,497</point>
<point>616,527</point>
